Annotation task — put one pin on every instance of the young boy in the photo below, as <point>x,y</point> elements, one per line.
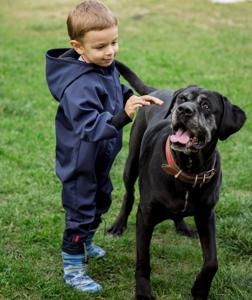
<point>93,108</point>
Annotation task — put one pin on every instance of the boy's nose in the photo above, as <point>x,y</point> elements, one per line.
<point>109,50</point>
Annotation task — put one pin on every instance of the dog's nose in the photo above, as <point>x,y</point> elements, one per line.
<point>185,109</point>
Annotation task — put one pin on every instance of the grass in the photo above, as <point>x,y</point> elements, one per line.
<point>170,44</point>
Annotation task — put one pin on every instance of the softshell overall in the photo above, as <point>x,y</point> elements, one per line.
<point>86,141</point>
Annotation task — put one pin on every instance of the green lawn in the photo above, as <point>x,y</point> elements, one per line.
<point>170,44</point>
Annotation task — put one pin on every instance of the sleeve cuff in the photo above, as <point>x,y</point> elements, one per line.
<point>127,95</point>
<point>120,120</point>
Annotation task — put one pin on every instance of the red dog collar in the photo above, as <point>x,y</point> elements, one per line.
<point>172,169</point>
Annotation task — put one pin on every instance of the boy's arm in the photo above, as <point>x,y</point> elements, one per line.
<point>82,106</point>
<point>121,119</point>
<point>127,93</point>
<point>131,106</point>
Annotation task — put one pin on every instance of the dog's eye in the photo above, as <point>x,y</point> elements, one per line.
<point>205,106</point>
<point>182,99</point>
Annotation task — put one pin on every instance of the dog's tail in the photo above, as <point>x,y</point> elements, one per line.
<point>138,85</point>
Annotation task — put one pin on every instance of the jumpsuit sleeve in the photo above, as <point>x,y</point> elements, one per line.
<point>121,119</point>
<point>127,93</point>
<point>83,107</point>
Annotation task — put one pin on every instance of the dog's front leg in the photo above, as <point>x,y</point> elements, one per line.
<point>144,230</point>
<point>206,230</point>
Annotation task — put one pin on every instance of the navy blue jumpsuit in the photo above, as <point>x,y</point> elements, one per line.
<point>89,119</point>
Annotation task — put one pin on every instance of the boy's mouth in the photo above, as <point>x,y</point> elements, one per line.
<point>108,59</point>
<point>108,62</point>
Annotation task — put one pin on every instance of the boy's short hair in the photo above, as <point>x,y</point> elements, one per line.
<point>89,15</point>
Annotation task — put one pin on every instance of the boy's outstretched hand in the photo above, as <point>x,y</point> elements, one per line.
<point>134,102</point>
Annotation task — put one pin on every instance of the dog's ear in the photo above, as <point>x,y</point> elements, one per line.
<point>233,118</point>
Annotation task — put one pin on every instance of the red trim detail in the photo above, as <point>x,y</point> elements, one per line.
<point>77,239</point>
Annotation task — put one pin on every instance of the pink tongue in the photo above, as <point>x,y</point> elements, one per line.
<point>181,137</point>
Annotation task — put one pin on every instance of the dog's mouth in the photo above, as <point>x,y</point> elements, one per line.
<point>184,140</point>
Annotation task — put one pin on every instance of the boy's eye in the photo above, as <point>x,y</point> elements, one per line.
<point>99,47</point>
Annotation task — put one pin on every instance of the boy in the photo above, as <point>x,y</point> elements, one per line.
<point>93,108</point>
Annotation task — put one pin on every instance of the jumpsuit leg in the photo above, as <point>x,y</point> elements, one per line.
<point>79,203</point>
<point>87,196</point>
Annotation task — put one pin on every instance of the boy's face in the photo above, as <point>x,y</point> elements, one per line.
<point>98,47</point>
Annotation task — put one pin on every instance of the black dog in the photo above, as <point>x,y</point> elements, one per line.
<point>173,151</point>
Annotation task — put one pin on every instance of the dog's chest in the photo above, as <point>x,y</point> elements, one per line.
<point>183,203</point>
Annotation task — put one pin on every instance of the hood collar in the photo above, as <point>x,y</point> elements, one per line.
<point>63,67</point>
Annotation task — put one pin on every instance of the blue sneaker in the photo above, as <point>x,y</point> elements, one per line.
<point>93,251</point>
<point>75,274</point>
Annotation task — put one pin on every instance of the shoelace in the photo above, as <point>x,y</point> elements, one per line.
<point>81,279</point>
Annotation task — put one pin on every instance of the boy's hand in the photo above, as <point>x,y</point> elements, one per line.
<point>134,102</point>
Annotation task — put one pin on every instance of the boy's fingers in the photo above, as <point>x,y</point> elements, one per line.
<point>152,99</point>
<point>145,103</point>
<point>138,105</point>
<point>140,101</point>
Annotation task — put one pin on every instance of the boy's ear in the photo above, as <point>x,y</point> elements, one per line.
<point>77,46</point>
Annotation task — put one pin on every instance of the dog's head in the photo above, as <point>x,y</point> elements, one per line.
<point>200,116</point>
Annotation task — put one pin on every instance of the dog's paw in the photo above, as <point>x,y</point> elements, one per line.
<point>184,229</point>
<point>140,297</point>
<point>192,233</point>
<point>200,297</point>
<point>117,229</point>
<point>199,293</point>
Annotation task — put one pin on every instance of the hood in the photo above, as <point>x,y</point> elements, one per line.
<point>63,67</point>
